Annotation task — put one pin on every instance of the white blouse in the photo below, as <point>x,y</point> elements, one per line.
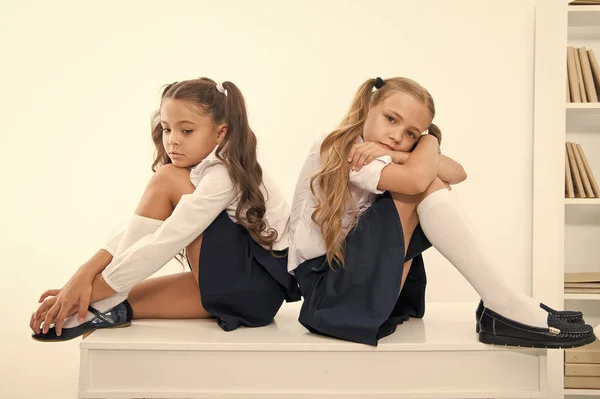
<point>306,240</point>
<point>214,193</point>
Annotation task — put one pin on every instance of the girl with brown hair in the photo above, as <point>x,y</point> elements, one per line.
<point>371,197</point>
<point>209,196</point>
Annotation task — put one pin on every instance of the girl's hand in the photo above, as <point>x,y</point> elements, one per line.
<point>38,316</point>
<point>364,153</point>
<point>74,296</point>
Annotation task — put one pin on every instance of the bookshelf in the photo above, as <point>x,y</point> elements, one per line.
<point>582,125</point>
<point>587,106</point>
<point>582,201</point>
<point>584,16</point>
<point>566,231</point>
<point>581,392</point>
<point>582,297</point>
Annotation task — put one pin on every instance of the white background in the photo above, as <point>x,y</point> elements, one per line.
<point>80,80</point>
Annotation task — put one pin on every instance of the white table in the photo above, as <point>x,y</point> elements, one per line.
<point>437,357</point>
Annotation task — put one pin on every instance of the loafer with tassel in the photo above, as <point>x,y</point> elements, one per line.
<point>119,316</point>
<point>499,330</point>
<point>570,316</point>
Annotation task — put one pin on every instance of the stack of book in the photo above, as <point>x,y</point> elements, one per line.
<point>584,2</point>
<point>583,75</point>
<point>582,283</point>
<point>582,366</point>
<point>579,178</point>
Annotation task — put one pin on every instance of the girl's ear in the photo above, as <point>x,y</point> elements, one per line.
<point>221,132</point>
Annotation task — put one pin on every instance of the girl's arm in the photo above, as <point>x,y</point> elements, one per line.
<point>77,290</point>
<point>449,170</point>
<point>96,264</point>
<point>100,289</point>
<point>417,172</point>
<point>192,215</point>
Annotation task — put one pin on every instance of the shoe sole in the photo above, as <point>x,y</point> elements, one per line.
<point>527,343</point>
<point>85,334</point>
<point>477,326</point>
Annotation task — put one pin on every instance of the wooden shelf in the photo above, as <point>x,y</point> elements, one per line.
<point>582,201</point>
<point>583,297</point>
<point>584,16</point>
<point>582,117</point>
<point>582,392</point>
<point>583,106</point>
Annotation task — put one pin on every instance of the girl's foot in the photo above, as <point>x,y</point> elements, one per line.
<point>118,316</point>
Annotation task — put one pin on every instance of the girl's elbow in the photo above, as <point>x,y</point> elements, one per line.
<point>462,176</point>
<point>458,175</point>
<point>422,182</point>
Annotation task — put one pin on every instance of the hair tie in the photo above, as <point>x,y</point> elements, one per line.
<point>379,83</point>
<point>221,89</point>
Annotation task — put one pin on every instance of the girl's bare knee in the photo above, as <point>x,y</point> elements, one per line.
<point>170,176</point>
<point>173,181</point>
<point>435,185</point>
<point>163,192</point>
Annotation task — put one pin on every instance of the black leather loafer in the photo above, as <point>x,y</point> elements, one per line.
<point>119,316</point>
<point>498,330</point>
<point>570,316</point>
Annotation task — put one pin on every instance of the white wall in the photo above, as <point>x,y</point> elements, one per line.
<point>80,80</point>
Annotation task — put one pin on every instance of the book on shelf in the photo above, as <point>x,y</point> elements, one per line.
<point>582,366</point>
<point>582,283</point>
<point>580,181</point>
<point>584,2</point>
<point>582,370</point>
<point>583,75</point>
<point>582,382</point>
<point>588,354</point>
<point>582,277</point>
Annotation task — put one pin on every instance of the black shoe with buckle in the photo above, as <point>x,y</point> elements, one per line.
<point>498,330</point>
<point>119,316</point>
<point>570,316</point>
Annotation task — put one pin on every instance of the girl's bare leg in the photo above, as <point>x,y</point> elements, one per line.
<point>406,205</point>
<point>175,296</point>
<point>171,296</point>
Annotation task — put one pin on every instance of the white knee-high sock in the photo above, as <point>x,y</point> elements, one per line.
<point>137,228</point>
<point>449,230</point>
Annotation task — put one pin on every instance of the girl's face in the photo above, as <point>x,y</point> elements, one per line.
<point>397,122</point>
<point>189,135</point>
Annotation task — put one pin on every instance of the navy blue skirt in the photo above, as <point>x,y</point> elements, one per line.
<point>241,283</point>
<point>360,301</point>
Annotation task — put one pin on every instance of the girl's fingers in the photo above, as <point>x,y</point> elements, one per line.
<point>47,294</point>
<point>48,303</point>
<point>51,317</point>
<point>351,153</point>
<point>362,160</point>
<point>353,150</point>
<point>37,322</point>
<point>356,162</point>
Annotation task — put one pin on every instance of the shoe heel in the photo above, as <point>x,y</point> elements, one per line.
<point>122,325</point>
<point>502,341</point>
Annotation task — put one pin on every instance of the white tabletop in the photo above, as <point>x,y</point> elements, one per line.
<point>446,326</point>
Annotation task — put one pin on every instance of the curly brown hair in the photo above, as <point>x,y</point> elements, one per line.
<point>237,150</point>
